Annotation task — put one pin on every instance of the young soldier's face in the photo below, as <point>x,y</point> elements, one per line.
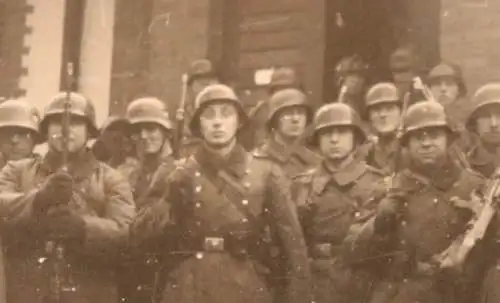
<point>16,143</point>
<point>488,124</point>
<point>292,121</point>
<point>219,123</point>
<point>149,138</point>
<point>336,142</point>
<point>78,134</point>
<point>428,146</point>
<point>354,83</point>
<point>384,117</point>
<point>445,90</point>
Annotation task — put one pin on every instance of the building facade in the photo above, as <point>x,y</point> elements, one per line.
<point>123,49</point>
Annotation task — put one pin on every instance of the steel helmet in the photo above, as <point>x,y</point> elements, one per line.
<point>425,114</point>
<point>287,98</point>
<point>19,113</point>
<point>337,114</point>
<point>486,95</point>
<point>212,93</point>
<point>448,70</point>
<point>114,122</point>
<point>148,110</point>
<point>384,92</point>
<point>78,106</point>
<point>201,68</point>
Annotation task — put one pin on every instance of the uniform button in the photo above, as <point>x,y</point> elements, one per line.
<point>139,287</point>
<point>247,171</point>
<point>199,255</point>
<point>403,223</point>
<point>403,242</point>
<point>357,214</point>
<point>448,236</point>
<point>197,174</point>
<point>198,205</point>
<point>244,220</point>
<point>435,200</point>
<point>246,185</point>
<point>197,188</point>
<point>37,289</point>
<point>244,202</point>
<point>198,223</point>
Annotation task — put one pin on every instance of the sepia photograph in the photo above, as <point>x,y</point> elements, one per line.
<point>249,151</point>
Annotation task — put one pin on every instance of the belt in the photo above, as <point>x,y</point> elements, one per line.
<point>324,250</point>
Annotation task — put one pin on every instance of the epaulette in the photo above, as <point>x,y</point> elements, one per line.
<point>304,177</point>
<point>375,170</point>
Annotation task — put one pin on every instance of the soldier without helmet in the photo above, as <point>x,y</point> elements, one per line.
<point>217,207</point>
<point>428,207</point>
<point>19,132</point>
<point>85,206</point>
<point>150,129</point>
<point>336,198</point>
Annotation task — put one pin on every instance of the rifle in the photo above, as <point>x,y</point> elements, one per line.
<point>179,130</point>
<point>456,254</point>
<point>61,285</point>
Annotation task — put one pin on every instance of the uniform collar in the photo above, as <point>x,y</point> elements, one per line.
<point>234,163</point>
<point>80,167</point>
<point>349,173</point>
<point>283,153</point>
<point>442,177</point>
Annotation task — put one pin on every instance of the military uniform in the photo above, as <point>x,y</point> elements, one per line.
<point>332,206</point>
<point>425,221</point>
<point>255,133</point>
<point>214,220</point>
<point>141,264</point>
<point>382,152</point>
<point>292,159</point>
<point>103,208</point>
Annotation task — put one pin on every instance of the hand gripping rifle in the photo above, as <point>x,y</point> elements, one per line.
<point>61,284</point>
<point>456,254</point>
<point>180,117</point>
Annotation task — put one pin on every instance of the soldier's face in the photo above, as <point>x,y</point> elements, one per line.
<point>219,123</point>
<point>292,121</point>
<point>336,143</point>
<point>384,117</point>
<point>354,83</point>
<point>428,146</point>
<point>149,138</point>
<point>16,143</point>
<point>78,134</point>
<point>488,124</point>
<point>445,90</point>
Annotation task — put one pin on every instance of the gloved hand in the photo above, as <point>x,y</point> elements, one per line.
<point>64,224</point>
<point>57,190</point>
<point>387,215</point>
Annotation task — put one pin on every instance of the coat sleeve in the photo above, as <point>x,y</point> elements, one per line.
<point>107,234</point>
<point>156,219</point>
<point>16,205</point>
<point>290,232</point>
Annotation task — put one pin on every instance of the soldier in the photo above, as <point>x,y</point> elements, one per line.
<point>426,211</point>
<point>151,131</point>
<point>83,205</point>
<point>201,74</point>
<point>484,121</point>
<point>256,131</point>
<point>18,130</point>
<point>289,115</point>
<point>403,65</point>
<point>113,147</point>
<point>217,206</point>
<point>384,113</point>
<point>335,199</point>
<point>351,72</point>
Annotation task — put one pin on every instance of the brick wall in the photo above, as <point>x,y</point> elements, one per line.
<point>179,34</point>
<point>470,36</point>
<point>12,46</point>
